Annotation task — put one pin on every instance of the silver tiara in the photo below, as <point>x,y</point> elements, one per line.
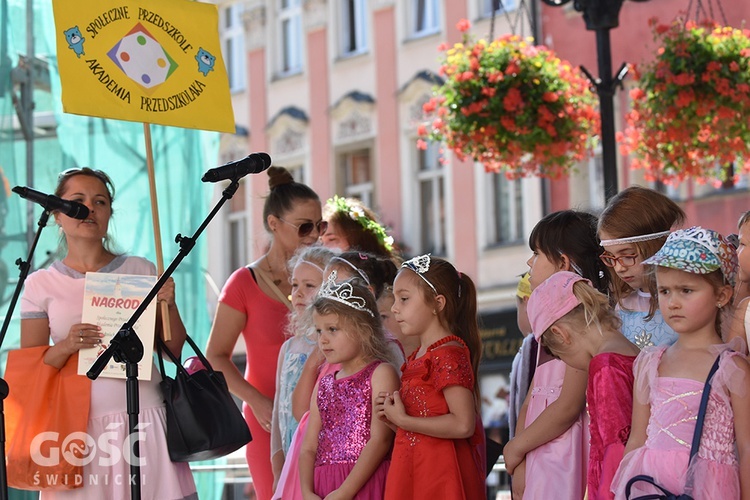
<point>420,265</point>
<point>344,293</point>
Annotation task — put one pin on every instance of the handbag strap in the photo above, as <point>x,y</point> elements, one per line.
<point>650,480</point>
<point>161,346</point>
<point>269,282</point>
<point>702,410</point>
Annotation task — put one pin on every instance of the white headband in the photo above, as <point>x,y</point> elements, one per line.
<point>635,239</point>
<point>313,264</point>
<point>355,268</point>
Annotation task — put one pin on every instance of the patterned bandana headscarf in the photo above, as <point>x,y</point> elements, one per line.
<point>697,250</point>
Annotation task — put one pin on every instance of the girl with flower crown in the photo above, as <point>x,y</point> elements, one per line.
<point>695,271</point>
<point>345,450</point>
<point>353,226</point>
<point>439,447</point>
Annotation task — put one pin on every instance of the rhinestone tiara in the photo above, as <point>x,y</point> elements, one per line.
<point>343,293</point>
<point>420,265</point>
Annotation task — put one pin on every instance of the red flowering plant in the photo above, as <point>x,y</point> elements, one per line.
<point>691,108</point>
<point>511,105</point>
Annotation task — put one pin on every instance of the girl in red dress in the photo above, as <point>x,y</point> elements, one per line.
<point>439,447</point>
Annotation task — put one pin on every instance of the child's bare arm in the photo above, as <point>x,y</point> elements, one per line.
<point>458,423</point>
<point>741,410</point>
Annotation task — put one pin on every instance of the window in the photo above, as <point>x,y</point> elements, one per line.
<point>233,44</point>
<point>290,36</point>
<point>506,217</point>
<point>357,176</point>
<point>431,186</point>
<point>298,172</point>
<point>353,27</point>
<point>502,6</point>
<point>237,230</point>
<point>424,17</point>
<point>596,179</point>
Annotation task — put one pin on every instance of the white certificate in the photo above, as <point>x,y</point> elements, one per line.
<point>109,300</point>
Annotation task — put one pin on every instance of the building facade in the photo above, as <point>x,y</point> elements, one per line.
<point>333,90</point>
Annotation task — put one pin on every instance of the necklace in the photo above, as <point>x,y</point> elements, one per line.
<point>276,281</point>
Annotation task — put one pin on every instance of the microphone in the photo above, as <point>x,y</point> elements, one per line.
<point>254,163</point>
<point>50,202</point>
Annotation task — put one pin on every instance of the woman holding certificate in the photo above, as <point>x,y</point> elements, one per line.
<point>254,302</point>
<point>51,307</point>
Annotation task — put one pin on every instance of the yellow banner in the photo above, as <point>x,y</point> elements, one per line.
<point>151,61</point>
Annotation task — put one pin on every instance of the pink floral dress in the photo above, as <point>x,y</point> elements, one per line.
<point>674,403</point>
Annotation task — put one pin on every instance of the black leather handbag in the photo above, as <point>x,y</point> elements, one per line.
<point>666,494</point>
<point>203,421</point>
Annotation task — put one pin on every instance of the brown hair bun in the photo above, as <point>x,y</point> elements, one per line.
<point>278,176</point>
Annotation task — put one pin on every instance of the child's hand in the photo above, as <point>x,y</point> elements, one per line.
<point>513,456</point>
<point>380,409</point>
<point>393,408</point>
<point>337,495</point>
<point>380,400</point>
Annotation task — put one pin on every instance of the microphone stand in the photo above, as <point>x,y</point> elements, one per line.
<point>23,266</point>
<point>127,348</point>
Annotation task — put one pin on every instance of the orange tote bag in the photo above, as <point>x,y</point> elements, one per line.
<point>45,409</point>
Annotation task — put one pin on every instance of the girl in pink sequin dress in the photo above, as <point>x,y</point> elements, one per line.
<point>345,452</point>
<point>577,324</point>
<point>439,447</point>
<point>695,271</point>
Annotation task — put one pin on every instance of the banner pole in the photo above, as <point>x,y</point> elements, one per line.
<point>157,229</point>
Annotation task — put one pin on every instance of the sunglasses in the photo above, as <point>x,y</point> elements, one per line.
<point>306,228</point>
<point>624,260</point>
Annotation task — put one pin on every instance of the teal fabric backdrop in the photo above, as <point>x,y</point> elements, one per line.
<point>118,148</point>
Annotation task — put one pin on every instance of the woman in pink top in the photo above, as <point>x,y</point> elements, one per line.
<point>254,302</point>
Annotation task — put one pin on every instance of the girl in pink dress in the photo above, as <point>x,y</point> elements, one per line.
<point>346,447</point>
<point>695,272</point>
<point>576,323</point>
<point>549,453</point>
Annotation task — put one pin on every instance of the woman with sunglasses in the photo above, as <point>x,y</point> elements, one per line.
<point>633,227</point>
<point>254,303</point>
<point>51,307</point>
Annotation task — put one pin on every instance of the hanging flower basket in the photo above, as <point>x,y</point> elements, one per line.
<point>691,108</point>
<point>513,106</point>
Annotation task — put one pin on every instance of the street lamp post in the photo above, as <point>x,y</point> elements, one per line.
<point>601,16</point>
